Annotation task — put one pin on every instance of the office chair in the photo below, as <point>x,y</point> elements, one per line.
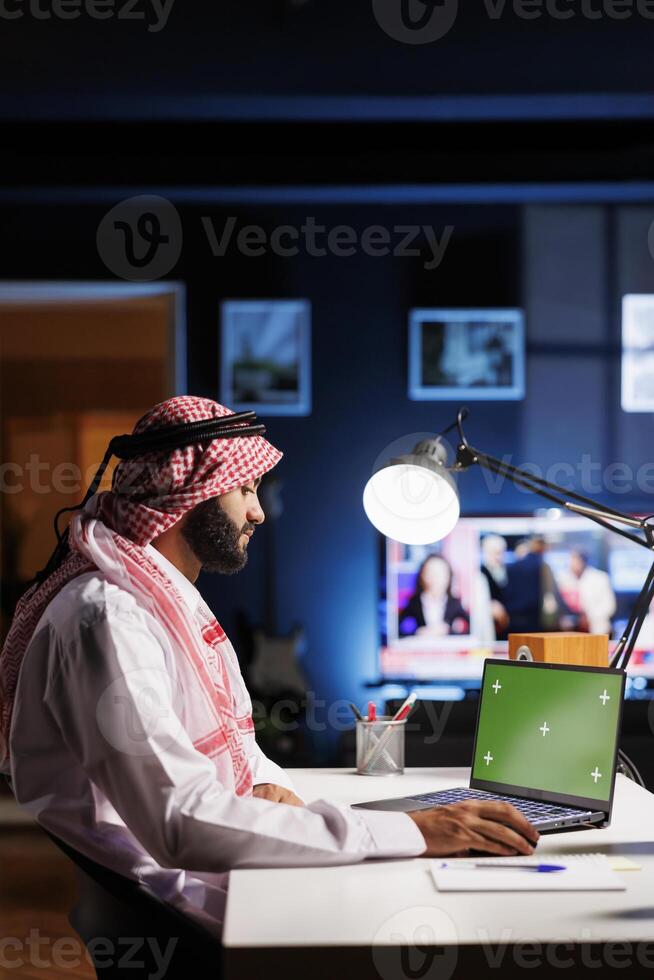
<point>127,929</point>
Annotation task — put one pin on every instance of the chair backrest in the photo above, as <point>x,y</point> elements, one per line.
<point>113,908</point>
<point>132,893</point>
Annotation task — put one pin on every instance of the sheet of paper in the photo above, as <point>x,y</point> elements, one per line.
<point>618,863</point>
<point>584,872</point>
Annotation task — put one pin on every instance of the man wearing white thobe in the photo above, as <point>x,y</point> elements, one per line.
<point>101,757</point>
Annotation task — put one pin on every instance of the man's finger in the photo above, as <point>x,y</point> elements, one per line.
<point>486,845</point>
<point>495,831</point>
<point>506,814</point>
<point>266,792</point>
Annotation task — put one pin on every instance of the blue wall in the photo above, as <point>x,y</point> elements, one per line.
<point>557,262</point>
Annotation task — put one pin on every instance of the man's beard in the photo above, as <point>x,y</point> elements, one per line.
<point>214,538</point>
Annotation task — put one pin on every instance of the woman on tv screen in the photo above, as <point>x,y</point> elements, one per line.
<point>433,610</point>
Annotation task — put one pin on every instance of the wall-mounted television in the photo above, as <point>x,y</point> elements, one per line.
<point>443,608</point>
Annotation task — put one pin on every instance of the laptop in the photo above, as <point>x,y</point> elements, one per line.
<point>546,741</point>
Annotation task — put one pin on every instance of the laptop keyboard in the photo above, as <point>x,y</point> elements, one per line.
<point>532,809</point>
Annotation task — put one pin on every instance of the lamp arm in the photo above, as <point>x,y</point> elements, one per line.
<point>467,456</point>
<point>627,642</point>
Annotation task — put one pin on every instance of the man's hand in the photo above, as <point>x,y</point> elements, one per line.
<point>499,614</point>
<point>473,825</point>
<point>276,794</point>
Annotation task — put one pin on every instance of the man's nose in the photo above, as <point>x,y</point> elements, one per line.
<point>255,513</point>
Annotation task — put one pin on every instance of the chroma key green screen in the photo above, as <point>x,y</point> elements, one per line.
<point>549,728</point>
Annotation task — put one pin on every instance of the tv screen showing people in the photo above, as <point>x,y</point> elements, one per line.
<point>446,606</point>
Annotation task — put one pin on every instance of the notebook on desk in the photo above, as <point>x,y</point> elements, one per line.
<point>546,741</point>
<point>582,872</point>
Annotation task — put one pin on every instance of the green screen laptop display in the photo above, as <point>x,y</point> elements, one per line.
<point>549,729</point>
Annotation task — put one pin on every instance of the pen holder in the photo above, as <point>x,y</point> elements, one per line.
<point>380,747</point>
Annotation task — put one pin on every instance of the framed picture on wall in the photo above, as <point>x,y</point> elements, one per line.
<point>470,354</point>
<point>638,352</point>
<point>266,356</point>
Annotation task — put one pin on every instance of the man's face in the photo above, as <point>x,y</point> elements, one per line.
<point>218,530</point>
<point>577,564</point>
<point>494,552</point>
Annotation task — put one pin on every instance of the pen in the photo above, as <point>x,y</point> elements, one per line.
<point>355,711</point>
<point>372,711</point>
<point>405,708</point>
<point>541,868</point>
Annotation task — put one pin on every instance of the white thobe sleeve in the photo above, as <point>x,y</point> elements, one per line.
<point>264,770</point>
<point>111,694</point>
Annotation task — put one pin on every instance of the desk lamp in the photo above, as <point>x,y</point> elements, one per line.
<point>414,500</point>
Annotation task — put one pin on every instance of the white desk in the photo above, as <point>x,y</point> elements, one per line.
<point>322,919</point>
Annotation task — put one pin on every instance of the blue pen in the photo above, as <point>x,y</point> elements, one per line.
<point>542,868</point>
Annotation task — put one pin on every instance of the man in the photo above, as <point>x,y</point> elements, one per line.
<point>493,568</point>
<point>131,735</point>
<point>533,600</point>
<point>596,598</point>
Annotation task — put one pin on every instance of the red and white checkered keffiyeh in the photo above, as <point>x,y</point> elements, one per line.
<point>149,494</point>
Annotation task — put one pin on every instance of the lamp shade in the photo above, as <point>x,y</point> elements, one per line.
<point>413,499</point>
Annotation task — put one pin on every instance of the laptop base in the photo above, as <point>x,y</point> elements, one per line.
<point>543,816</point>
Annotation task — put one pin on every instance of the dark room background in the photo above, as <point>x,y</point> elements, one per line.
<point>530,139</point>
